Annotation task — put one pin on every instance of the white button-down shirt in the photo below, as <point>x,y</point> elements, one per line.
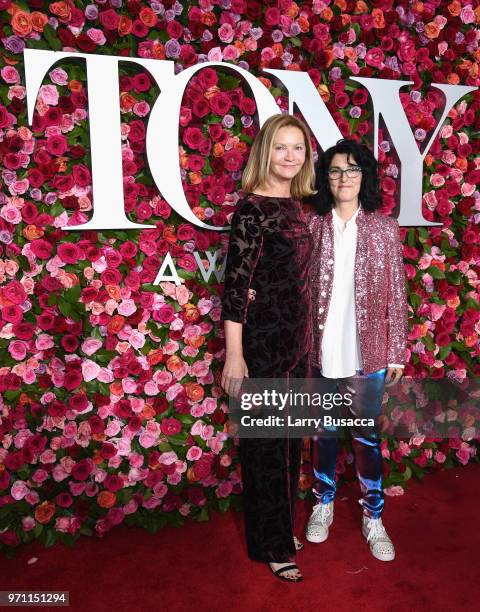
<point>341,355</point>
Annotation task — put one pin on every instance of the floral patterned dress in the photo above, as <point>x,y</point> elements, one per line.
<point>270,252</point>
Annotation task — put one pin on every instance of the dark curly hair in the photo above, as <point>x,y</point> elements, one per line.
<point>362,156</point>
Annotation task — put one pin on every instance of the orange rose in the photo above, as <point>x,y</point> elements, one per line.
<point>278,49</point>
<point>106,499</point>
<point>22,23</point>
<point>303,23</point>
<point>61,10</point>
<point>38,21</point>
<point>195,342</point>
<point>169,234</point>
<point>241,146</point>
<point>155,356</point>
<point>148,17</point>
<point>218,150</point>
<point>199,212</point>
<point>147,413</point>
<point>432,30</point>
<point>240,46</point>
<point>360,8</point>
<point>174,363</point>
<point>44,512</point>
<point>116,388</point>
<point>342,5</point>
<point>454,302</point>
<point>454,8</point>
<point>31,232</point>
<point>418,7</point>
<point>453,78</point>
<point>126,101</point>
<point>75,85</point>
<point>471,340</point>
<point>194,391</point>
<point>158,50</point>
<point>115,324</point>
<point>113,291</point>
<point>191,313</point>
<point>183,159</point>
<point>208,19</point>
<point>124,25</point>
<point>327,14</point>
<point>293,10</point>
<point>195,178</point>
<point>378,18</point>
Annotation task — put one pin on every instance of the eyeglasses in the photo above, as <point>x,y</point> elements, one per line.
<point>351,172</point>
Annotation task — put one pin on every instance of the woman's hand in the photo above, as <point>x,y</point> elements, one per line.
<point>393,375</point>
<point>234,371</point>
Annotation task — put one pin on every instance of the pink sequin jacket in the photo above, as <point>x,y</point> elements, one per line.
<point>380,292</point>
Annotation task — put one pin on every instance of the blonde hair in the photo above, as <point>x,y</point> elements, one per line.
<point>257,169</point>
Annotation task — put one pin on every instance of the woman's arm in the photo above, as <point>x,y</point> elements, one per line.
<point>397,308</point>
<point>243,252</point>
<point>235,369</point>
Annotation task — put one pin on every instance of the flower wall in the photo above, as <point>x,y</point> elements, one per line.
<point>110,409</point>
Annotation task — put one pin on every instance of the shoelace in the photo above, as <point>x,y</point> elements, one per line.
<point>323,513</point>
<point>376,530</point>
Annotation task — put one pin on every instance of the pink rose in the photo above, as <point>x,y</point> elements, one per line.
<point>18,349</point>
<point>19,490</point>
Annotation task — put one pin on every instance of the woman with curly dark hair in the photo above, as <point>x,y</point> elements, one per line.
<point>359,325</point>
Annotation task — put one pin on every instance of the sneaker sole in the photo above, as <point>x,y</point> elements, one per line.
<point>316,539</point>
<point>384,557</point>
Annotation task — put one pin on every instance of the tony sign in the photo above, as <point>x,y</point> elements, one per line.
<point>163,130</point>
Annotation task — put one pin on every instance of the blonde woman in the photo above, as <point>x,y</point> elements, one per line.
<point>269,337</point>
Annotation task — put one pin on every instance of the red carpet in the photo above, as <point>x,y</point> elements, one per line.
<point>203,566</point>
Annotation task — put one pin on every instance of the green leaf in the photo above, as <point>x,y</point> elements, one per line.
<point>227,81</point>
<point>51,37</point>
<point>50,537</point>
<point>435,272</point>
<point>415,300</point>
<point>444,351</point>
<point>72,295</point>
<point>411,238</point>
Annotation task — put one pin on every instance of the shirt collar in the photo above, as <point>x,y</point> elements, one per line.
<point>340,223</point>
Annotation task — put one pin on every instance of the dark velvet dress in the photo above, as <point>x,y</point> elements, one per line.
<point>270,252</point>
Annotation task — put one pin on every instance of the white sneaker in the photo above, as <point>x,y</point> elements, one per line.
<point>319,522</point>
<point>380,544</point>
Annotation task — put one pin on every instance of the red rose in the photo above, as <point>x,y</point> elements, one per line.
<point>193,137</point>
<point>73,379</point>
<point>69,252</point>
<point>14,292</point>
<point>174,29</point>
<point>57,144</point>
<point>207,77</point>
<point>82,469</point>
<point>63,182</point>
<point>113,483</point>
<point>170,426</point>
<point>221,103</point>
<point>41,248</point>
<point>165,314</point>
<point>272,16</point>
<point>137,131</point>
<point>232,160</point>
<point>81,175</point>
<point>109,19</point>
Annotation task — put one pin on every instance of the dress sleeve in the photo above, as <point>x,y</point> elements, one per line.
<point>245,245</point>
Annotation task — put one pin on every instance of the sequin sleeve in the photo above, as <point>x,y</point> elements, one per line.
<point>244,248</point>
<point>397,307</point>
